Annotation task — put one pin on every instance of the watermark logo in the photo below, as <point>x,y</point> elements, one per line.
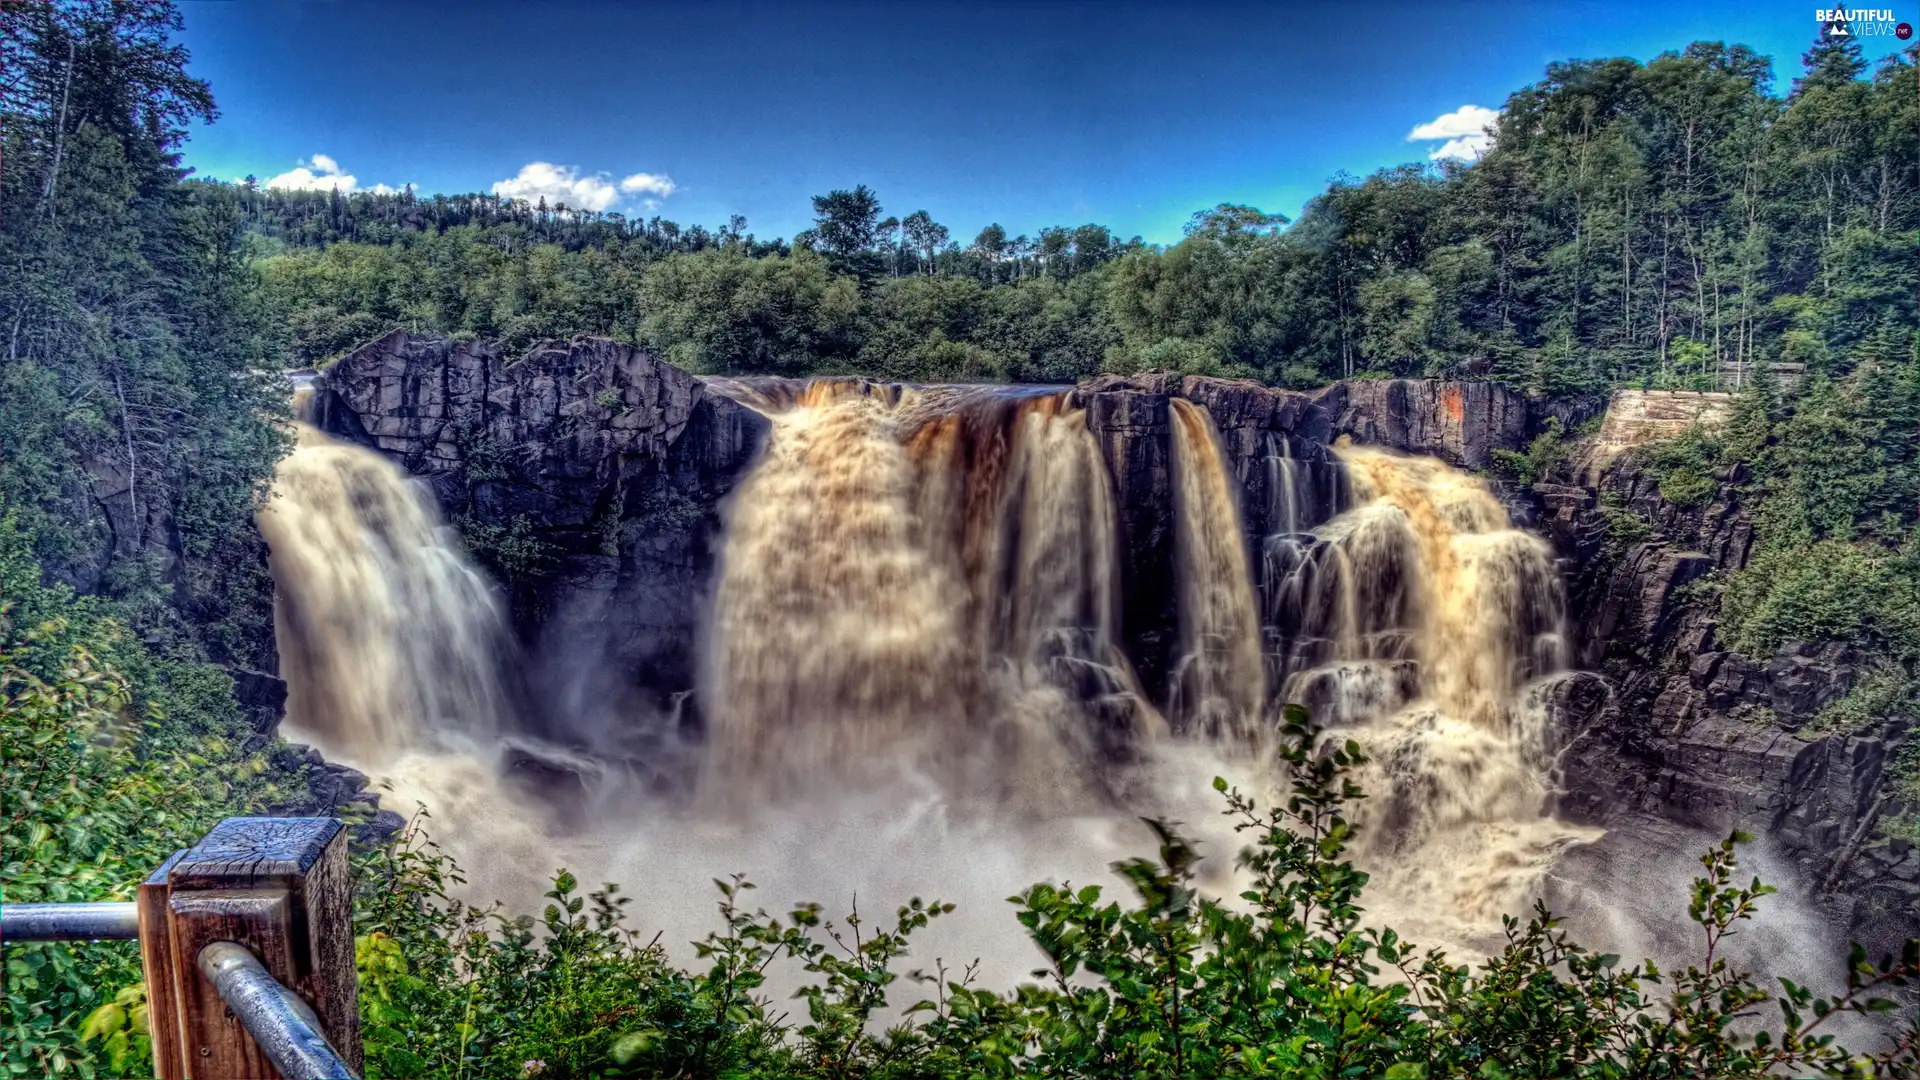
<point>1861,22</point>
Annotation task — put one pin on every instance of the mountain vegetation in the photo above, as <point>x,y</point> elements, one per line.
<point>1679,223</point>
<point>1667,224</point>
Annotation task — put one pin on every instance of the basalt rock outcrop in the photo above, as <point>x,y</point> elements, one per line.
<point>1691,733</point>
<point>588,475</point>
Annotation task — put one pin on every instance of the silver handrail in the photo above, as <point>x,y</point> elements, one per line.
<point>283,1025</point>
<point>69,922</point>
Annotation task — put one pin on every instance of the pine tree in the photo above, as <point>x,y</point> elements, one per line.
<point>1834,59</point>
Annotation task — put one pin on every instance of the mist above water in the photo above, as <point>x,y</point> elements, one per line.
<point>914,683</point>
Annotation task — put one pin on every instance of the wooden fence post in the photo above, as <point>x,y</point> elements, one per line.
<point>277,886</point>
<point>156,966</point>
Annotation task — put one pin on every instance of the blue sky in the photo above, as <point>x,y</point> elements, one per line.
<point>1133,115</point>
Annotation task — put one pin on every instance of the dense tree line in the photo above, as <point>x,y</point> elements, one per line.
<point>1667,224</point>
<point>137,383</point>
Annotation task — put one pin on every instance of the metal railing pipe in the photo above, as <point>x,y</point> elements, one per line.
<point>69,922</point>
<point>285,1028</point>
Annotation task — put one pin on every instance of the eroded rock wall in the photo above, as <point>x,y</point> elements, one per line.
<point>1690,732</point>
<point>599,468</point>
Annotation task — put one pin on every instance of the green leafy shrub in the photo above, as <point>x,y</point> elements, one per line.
<point>111,757</point>
<point>1544,454</point>
<point>1686,486</point>
<point>512,552</point>
<point>1827,591</point>
<point>97,795</point>
<point>1883,692</point>
<point>485,459</point>
<point>1683,466</point>
<point>1624,527</point>
<point>1903,783</point>
<point>1167,983</point>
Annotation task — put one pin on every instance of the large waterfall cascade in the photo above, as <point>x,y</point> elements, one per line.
<point>920,580</point>
<point>389,637</point>
<point>1420,620</point>
<point>919,592</point>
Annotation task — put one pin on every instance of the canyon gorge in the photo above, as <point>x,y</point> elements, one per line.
<point>740,622</point>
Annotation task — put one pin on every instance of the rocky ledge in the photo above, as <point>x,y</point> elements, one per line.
<point>615,464</point>
<point>1683,730</point>
<point>604,466</point>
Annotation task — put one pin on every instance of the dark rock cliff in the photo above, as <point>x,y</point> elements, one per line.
<point>617,463</point>
<point>597,469</point>
<point>1685,731</point>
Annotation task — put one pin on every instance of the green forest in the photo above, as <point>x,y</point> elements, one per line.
<point>1680,223</point>
<point>1669,224</point>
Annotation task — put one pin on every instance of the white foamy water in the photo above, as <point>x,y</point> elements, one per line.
<point>914,683</point>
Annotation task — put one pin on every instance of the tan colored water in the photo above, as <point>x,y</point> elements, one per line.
<point>900,592</point>
<point>912,673</point>
<point>388,634</point>
<point>1220,679</point>
<point>1444,616</point>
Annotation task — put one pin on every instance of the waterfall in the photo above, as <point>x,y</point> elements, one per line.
<point>926,580</point>
<point>1283,485</point>
<point>1421,622</point>
<point>388,636</point>
<point>838,640</point>
<point>919,580</point>
<point>1219,680</point>
<point>915,632</point>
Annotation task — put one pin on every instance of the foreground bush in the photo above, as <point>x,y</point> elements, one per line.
<point>113,754</point>
<point>1169,984</point>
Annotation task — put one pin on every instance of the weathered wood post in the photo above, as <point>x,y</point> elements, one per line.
<point>156,966</point>
<point>280,889</point>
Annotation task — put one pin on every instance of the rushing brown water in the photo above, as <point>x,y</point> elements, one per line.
<point>388,635</point>
<point>913,657</point>
<point>1220,683</point>
<point>1435,622</point>
<point>918,590</point>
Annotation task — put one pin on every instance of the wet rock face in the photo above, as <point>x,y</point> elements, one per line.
<point>1461,423</point>
<point>1699,735</point>
<point>613,462</point>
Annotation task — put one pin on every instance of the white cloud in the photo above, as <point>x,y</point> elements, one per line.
<point>563,184</point>
<point>559,184</point>
<point>1464,148</point>
<point>648,183</point>
<point>1464,131</point>
<point>318,173</point>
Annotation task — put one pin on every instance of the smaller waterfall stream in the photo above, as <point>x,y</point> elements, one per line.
<point>1423,623</point>
<point>388,635</point>
<point>1220,680</point>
